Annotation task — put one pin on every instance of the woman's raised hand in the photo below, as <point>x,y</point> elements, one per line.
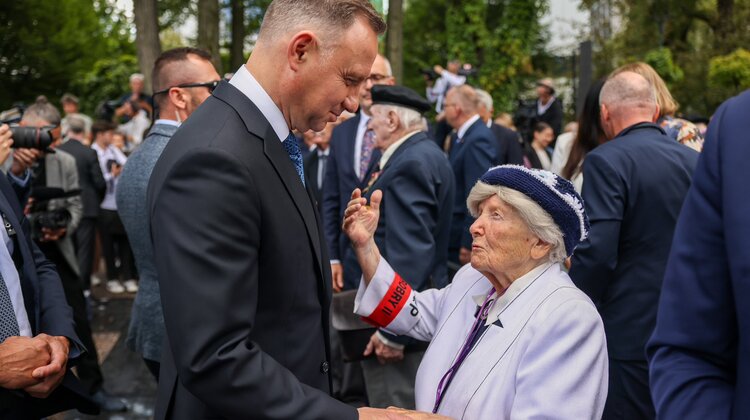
<point>361,219</point>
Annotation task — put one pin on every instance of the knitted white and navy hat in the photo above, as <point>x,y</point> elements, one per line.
<point>553,193</point>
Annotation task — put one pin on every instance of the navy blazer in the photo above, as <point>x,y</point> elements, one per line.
<point>699,354</point>
<point>243,273</point>
<point>340,181</point>
<point>634,189</point>
<point>508,145</point>
<point>470,158</point>
<point>48,312</point>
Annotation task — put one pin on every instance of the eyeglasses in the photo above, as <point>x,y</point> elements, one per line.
<point>209,85</point>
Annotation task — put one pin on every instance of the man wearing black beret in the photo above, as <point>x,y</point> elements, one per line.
<point>413,231</point>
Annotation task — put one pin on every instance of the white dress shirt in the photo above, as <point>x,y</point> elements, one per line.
<point>541,109</point>
<point>249,86</point>
<point>321,168</point>
<point>361,129</point>
<point>105,155</point>
<point>465,126</point>
<point>13,283</point>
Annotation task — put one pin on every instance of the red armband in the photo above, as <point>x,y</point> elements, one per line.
<point>389,308</point>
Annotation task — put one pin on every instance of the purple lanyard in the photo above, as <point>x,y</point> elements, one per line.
<point>465,350</point>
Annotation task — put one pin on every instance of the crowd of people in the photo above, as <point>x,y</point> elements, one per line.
<point>303,243</point>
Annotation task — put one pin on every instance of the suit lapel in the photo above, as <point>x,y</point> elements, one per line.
<point>257,124</point>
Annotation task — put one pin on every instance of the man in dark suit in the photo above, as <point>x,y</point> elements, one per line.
<point>316,161</point>
<point>473,150</point>
<point>418,186</point>
<point>634,189</point>
<point>508,141</point>
<point>698,354</point>
<point>352,156</point>
<point>38,342</point>
<point>242,267</point>
<point>548,107</point>
<point>91,182</point>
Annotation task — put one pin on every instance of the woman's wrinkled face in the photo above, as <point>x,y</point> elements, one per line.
<point>502,241</point>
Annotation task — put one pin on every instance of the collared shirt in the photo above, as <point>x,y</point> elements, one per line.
<point>541,109</point>
<point>515,289</point>
<point>393,147</point>
<point>105,155</point>
<point>13,283</point>
<point>322,158</point>
<point>361,129</point>
<point>167,122</point>
<point>465,126</point>
<point>249,86</point>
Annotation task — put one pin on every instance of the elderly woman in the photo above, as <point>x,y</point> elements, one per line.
<point>511,337</point>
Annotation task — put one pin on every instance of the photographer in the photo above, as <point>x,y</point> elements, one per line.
<point>53,223</point>
<point>439,81</point>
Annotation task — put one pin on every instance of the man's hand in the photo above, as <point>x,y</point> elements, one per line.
<point>23,159</point>
<point>19,359</point>
<point>367,413</point>
<point>384,352</point>
<point>337,275</point>
<point>50,375</point>
<point>50,235</point>
<point>5,142</point>
<point>417,415</point>
<point>116,170</point>
<point>464,256</point>
<point>438,69</point>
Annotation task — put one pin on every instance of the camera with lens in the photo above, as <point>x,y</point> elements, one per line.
<point>27,137</point>
<point>54,219</point>
<point>468,70</point>
<point>106,110</point>
<point>429,74</point>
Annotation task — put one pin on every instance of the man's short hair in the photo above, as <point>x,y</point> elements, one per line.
<point>628,90</point>
<point>101,126</point>
<point>284,16</point>
<point>484,98</point>
<point>166,75</point>
<point>137,76</point>
<point>467,98</point>
<point>69,98</point>
<point>41,113</point>
<point>76,124</point>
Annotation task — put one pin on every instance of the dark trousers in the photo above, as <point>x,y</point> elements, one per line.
<point>629,395</point>
<point>115,245</point>
<point>348,380</point>
<point>87,366</point>
<point>85,238</point>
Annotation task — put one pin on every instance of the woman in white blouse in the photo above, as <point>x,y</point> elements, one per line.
<point>511,337</point>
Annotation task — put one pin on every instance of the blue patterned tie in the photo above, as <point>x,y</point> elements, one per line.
<point>292,148</point>
<point>8,321</point>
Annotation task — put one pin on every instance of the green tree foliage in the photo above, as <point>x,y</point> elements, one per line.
<point>499,37</point>
<point>729,74</point>
<point>46,46</point>
<point>106,80</point>
<point>661,60</point>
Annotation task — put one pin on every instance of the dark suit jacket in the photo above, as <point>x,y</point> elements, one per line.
<point>470,158</point>
<point>634,189</point>
<point>700,353</point>
<point>90,178</point>
<point>312,160</point>
<point>243,273</point>
<point>508,145</point>
<point>553,116</point>
<point>48,312</point>
<point>341,180</point>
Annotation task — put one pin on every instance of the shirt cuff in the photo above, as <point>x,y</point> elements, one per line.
<point>388,342</point>
<point>335,262</point>
<point>380,302</point>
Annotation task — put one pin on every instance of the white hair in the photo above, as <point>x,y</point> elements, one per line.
<point>137,76</point>
<point>536,218</point>
<point>409,118</point>
<point>485,99</point>
<point>628,89</point>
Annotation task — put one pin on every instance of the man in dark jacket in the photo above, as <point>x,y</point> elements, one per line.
<point>91,182</point>
<point>634,189</point>
<point>508,141</point>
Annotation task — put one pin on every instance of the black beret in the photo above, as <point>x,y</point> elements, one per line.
<point>399,96</point>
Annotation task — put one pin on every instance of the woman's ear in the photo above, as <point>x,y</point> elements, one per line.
<point>540,249</point>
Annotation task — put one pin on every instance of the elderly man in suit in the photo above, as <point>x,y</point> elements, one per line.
<point>38,342</point>
<point>698,354</point>
<point>243,271</point>
<point>634,189</point>
<point>93,188</point>
<point>417,184</point>
<point>472,151</point>
<point>353,154</point>
<point>183,78</point>
<point>508,141</point>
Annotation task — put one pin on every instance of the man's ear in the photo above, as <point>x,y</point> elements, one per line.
<point>657,111</point>
<point>177,97</point>
<point>301,47</point>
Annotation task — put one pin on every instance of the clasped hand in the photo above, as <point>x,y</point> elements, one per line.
<point>36,365</point>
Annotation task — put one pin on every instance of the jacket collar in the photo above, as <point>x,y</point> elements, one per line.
<point>639,126</point>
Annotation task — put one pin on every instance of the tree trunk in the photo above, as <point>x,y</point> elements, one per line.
<point>208,29</point>
<point>395,38</point>
<point>236,52</point>
<point>146,37</point>
<point>725,26</point>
